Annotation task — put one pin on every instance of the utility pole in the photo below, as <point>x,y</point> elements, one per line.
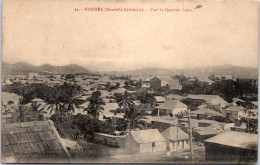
<point>190,137</point>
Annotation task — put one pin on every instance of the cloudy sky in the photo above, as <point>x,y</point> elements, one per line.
<point>50,31</point>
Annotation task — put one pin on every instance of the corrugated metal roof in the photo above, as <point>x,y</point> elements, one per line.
<point>236,139</point>
<point>36,141</point>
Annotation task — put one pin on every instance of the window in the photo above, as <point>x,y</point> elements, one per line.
<point>153,144</point>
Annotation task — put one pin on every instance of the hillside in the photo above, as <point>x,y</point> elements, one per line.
<point>204,71</point>
<point>25,68</point>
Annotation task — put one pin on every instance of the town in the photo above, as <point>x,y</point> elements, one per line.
<point>112,118</point>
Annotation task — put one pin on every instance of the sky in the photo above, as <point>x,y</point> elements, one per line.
<point>50,31</point>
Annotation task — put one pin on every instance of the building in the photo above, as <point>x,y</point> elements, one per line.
<point>9,98</point>
<point>32,76</point>
<point>233,113</point>
<point>159,99</point>
<point>110,110</point>
<point>32,142</point>
<point>202,134</point>
<point>231,146</point>
<point>155,83</point>
<point>238,102</point>
<point>163,122</point>
<point>202,129</point>
<point>170,82</point>
<point>102,85</point>
<point>206,114</point>
<point>252,105</point>
<point>213,101</point>
<point>145,141</point>
<point>110,140</point>
<point>176,138</point>
<point>173,107</point>
<point>174,97</point>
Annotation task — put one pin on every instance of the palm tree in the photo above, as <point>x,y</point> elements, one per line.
<point>134,117</point>
<point>36,111</point>
<point>125,102</point>
<point>95,102</point>
<point>54,102</point>
<point>21,114</point>
<point>70,96</point>
<point>71,103</point>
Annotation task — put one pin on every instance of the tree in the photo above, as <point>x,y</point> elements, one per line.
<point>146,98</point>
<point>70,96</point>
<point>37,112</point>
<point>125,102</point>
<point>126,83</point>
<point>133,117</point>
<point>21,114</point>
<point>95,102</point>
<point>54,101</point>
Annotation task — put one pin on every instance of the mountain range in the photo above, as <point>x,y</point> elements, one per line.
<point>199,71</point>
<point>25,68</point>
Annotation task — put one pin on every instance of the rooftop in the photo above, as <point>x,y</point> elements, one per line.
<point>171,105</point>
<point>235,108</point>
<point>255,102</point>
<point>159,99</point>
<point>147,136</point>
<point>174,134</point>
<point>163,119</point>
<point>32,142</point>
<point>236,139</point>
<point>212,99</point>
<point>207,112</point>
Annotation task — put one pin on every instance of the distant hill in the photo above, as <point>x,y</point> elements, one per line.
<point>204,71</point>
<point>25,68</point>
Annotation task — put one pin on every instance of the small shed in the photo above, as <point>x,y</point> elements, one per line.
<point>145,141</point>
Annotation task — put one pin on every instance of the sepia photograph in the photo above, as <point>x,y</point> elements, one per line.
<point>121,81</point>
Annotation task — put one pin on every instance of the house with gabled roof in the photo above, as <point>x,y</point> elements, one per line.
<point>32,142</point>
<point>213,101</point>
<point>173,107</point>
<point>206,114</point>
<point>233,113</point>
<point>176,138</point>
<point>145,141</point>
